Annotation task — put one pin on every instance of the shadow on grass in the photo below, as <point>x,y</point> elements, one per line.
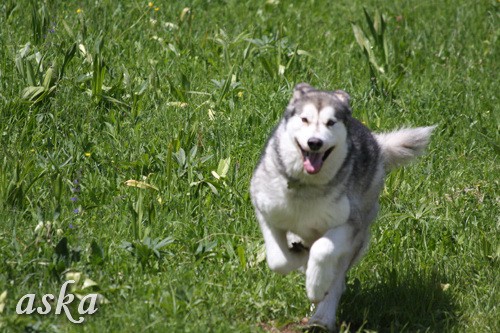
<point>413,302</point>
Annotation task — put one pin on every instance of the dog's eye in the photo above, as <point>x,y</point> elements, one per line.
<point>330,123</point>
<point>304,120</point>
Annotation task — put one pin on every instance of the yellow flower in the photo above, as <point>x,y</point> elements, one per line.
<point>150,4</point>
<point>157,9</point>
<point>87,154</point>
<point>79,11</point>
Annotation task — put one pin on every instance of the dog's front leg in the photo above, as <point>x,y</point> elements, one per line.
<point>329,260</point>
<point>325,313</point>
<point>280,257</point>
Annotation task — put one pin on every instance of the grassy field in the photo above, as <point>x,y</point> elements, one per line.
<point>129,131</point>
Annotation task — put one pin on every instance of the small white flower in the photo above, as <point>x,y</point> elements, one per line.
<point>171,26</point>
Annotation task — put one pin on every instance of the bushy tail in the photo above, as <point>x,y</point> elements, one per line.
<point>401,146</point>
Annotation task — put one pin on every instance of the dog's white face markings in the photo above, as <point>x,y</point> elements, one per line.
<point>320,125</point>
<point>312,123</point>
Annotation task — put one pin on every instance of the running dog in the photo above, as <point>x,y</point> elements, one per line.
<point>316,187</point>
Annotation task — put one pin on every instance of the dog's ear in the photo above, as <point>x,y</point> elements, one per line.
<point>342,96</point>
<point>344,107</point>
<point>300,90</point>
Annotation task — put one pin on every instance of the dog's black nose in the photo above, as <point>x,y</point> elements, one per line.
<point>314,143</point>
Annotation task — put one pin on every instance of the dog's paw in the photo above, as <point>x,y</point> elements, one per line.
<point>318,325</point>
<point>317,328</point>
<point>288,262</point>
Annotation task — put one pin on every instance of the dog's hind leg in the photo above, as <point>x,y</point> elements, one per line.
<point>329,259</point>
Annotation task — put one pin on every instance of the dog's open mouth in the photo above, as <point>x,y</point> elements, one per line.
<point>314,161</point>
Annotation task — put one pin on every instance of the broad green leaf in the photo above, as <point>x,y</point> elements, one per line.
<point>360,36</point>
<point>185,13</point>
<point>31,93</point>
<point>139,184</point>
<point>70,53</point>
<point>88,283</point>
<point>223,167</point>
<point>377,23</point>
<point>142,88</point>
<point>241,256</point>
<point>68,29</point>
<point>48,78</point>
<point>75,276</point>
<point>45,94</point>
<point>20,66</point>
<point>267,67</point>
<point>181,157</point>
<point>212,188</point>
<point>25,50</point>
<point>215,174</point>
<point>226,85</point>
<point>164,242</point>
<point>30,74</point>
<point>3,300</point>
<point>371,25</point>
<point>303,53</point>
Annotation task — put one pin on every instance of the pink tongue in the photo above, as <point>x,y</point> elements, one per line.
<point>313,162</point>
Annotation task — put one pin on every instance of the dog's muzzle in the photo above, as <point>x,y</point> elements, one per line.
<point>313,160</point>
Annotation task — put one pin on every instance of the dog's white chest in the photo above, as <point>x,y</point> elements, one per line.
<point>306,217</point>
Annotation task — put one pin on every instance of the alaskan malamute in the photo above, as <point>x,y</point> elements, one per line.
<point>316,187</point>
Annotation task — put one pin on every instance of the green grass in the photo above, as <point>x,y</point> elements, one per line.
<point>120,91</point>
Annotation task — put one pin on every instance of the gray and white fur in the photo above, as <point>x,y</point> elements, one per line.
<point>316,187</point>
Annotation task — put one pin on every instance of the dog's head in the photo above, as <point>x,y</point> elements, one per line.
<point>316,122</point>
